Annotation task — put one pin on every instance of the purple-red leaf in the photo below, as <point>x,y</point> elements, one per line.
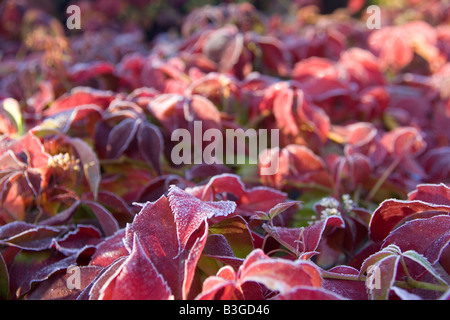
<point>381,268</point>
<point>174,234</point>
<point>109,250</point>
<point>431,193</point>
<point>309,293</point>
<point>279,274</point>
<point>120,137</point>
<point>28,236</point>
<point>303,240</point>
<point>80,96</point>
<point>428,237</point>
<point>136,279</point>
<point>105,218</point>
<point>391,212</point>
<point>347,288</point>
<point>248,200</point>
<point>190,212</point>
<point>151,144</point>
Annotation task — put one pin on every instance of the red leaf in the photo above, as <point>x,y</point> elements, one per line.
<point>120,210</point>
<point>311,68</point>
<point>404,141</point>
<point>224,46</point>
<point>432,193</point>
<point>350,170</point>
<point>169,238</point>
<point>278,274</point>
<point>219,287</point>
<point>315,119</point>
<point>151,145</point>
<point>437,163</point>
<point>109,250</point>
<point>391,212</point>
<point>33,267</point>
<point>275,274</point>
<point>275,55</point>
<point>175,111</point>
<point>105,218</point>
<point>190,212</point>
<point>248,201</point>
<point>56,286</point>
<point>309,293</point>
<point>136,279</point>
<point>204,110</point>
<point>28,236</point>
<point>428,237</point>
<point>303,240</point>
<point>282,275</point>
<point>355,5</point>
<point>283,105</point>
<point>63,216</point>
<point>120,137</point>
<point>31,147</point>
<point>78,240</point>
<point>382,268</point>
<point>299,164</point>
<point>159,186</point>
<point>82,72</point>
<point>42,97</point>
<point>353,290</point>
<point>392,46</point>
<point>362,67</point>
<point>217,247</point>
<point>80,96</point>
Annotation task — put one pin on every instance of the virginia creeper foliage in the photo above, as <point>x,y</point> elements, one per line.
<point>93,207</point>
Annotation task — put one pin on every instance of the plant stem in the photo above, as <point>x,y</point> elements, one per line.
<point>310,185</point>
<point>426,285</point>
<point>383,178</point>
<point>408,284</point>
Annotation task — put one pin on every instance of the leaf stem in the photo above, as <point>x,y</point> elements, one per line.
<point>383,178</point>
<point>410,283</point>
<point>426,285</point>
<point>310,185</point>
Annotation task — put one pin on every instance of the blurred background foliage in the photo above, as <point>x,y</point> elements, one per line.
<point>35,43</point>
